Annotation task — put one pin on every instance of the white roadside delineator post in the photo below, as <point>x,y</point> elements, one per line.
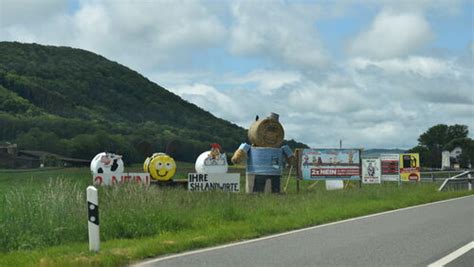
<point>93,214</point>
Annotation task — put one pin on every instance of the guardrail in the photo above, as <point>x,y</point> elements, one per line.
<point>459,181</point>
<point>439,175</point>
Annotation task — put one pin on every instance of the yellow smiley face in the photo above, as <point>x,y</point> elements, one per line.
<point>161,167</point>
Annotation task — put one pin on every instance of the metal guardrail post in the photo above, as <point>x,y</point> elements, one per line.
<point>469,185</point>
<point>458,177</point>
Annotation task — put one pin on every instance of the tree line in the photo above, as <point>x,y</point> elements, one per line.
<point>443,137</point>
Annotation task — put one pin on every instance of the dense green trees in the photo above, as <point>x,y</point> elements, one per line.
<point>467,146</point>
<point>76,103</point>
<point>443,137</point>
<point>83,139</point>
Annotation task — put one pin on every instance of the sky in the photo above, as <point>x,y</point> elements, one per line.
<point>372,73</point>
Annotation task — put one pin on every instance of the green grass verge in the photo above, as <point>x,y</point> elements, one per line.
<point>43,216</point>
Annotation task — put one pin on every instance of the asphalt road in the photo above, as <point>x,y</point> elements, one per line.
<point>409,237</point>
<point>464,261</point>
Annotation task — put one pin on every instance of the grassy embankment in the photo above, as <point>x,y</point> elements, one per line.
<point>43,216</point>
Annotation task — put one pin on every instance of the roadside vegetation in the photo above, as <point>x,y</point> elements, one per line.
<point>43,216</point>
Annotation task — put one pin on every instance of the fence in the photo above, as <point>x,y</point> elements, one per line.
<point>438,176</point>
<point>462,181</point>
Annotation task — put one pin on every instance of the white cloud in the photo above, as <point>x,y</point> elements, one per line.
<point>427,67</point>
<point>93,28</point>
<point>45,22</point>
<point>437,7</point>
<point>392,35</point>
<point>423,79</point>
<point>20,33</point>
<point>279,31</point>
<point>387,129</point>
<point>464,113</point>
<point>210,99</point>
<point>141,36</point>
<point>367,103</point>
<point>313,98</point>
<point>272,80</point>
<point>174,79</point>
<point>266,81</point>
<point>148,34</point>
<point>29,12</point>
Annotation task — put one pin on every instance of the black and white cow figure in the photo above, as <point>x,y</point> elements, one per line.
<point>106,162</point>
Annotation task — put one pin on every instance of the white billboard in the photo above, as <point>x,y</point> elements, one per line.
<point>226,182</point>
<point>371,171</point>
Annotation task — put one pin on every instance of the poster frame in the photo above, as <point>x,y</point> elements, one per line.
<point>398,168</point>
<point>379,166</point>
<point>299,172</point>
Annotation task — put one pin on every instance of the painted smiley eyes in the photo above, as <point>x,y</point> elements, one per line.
<point>167,165</point>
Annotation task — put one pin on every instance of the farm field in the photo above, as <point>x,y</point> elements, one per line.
<point>43,216</point>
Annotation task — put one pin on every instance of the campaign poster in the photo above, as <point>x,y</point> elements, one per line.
<point>371,171</point>
<point>390,167</point>
<point>410,167</point>
<point>329,164</point>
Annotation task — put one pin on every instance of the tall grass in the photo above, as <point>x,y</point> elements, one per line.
<point>43,217</point>
<point>39,213</point>
<point>55,213</point>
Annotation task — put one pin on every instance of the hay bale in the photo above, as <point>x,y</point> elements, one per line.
<point>267,132</point>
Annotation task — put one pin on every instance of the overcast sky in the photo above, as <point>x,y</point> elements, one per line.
<point>373,73</point>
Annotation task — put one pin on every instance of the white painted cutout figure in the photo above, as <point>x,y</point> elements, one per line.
<point>212,161</point>
<point>107,163</point>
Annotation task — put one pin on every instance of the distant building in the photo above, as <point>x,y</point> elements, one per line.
<point>445,160</point>
<point>457,151</point>
<point>11,149</point>
<point>12,158</point>
<point>450,159</point>
<point>54,160</point>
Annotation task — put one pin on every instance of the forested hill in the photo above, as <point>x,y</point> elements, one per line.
<point>76,103</point>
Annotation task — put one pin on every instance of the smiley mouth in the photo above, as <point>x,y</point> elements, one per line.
<point>158,173</point>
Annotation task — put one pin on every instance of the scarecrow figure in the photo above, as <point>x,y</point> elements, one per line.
<point>266,156</point>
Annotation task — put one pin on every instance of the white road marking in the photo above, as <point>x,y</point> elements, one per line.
<point>452,256</point>
<point>291,232</point>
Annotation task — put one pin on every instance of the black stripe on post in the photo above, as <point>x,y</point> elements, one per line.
<point>93,212</point>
